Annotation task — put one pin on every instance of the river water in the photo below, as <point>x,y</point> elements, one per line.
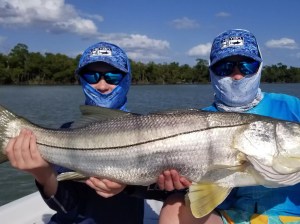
<point>51,106</point>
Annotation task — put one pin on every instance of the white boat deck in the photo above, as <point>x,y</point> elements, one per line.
<point>30,209</point>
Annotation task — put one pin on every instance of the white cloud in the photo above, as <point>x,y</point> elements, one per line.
<point>76,25</point>
<point>54,15</point>
<point>133,41</point>
<point>223,14</point>
<point>95,17</point>
<point>200,50</point>
<point>184,23</point>
<point>282,43</point>
<point>139,47</point>
<point>142,57</point>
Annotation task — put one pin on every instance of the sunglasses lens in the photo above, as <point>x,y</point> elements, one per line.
<point>91,78</point>
<point>224,68</point>
<point>113,78</point>
<point>110,78</point>
<point>249,68</point>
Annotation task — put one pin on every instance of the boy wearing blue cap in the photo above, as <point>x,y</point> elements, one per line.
<point>105,76</point>
<point>110,63</point>
<point>235,71</point>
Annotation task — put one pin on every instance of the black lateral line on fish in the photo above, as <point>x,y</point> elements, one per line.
<point>145,142</point>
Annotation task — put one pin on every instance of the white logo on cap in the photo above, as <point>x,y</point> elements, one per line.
<point>232,42</point>
<point>101,51</point>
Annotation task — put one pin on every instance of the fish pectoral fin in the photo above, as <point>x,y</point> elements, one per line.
<point>286,165</point>
<point>71,176</point>
<point>205,197</point>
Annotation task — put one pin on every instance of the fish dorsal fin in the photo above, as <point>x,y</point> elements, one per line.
<point>175,111</point>
<point>71,176</point>
<point>92,114</point>
<point>101,113</point>
<point>205,197</point>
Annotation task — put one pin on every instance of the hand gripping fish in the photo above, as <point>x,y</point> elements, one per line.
<point>216,150</point>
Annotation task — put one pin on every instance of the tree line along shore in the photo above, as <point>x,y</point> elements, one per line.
<point>21,67</point>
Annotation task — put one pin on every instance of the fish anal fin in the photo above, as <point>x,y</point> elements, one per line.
<point>205,197</point>
<point>71,176</point>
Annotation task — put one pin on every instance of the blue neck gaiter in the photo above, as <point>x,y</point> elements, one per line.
<point>237,95</point>
<point>116,99</point>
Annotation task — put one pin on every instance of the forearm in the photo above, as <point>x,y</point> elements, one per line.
<point>48,181</point>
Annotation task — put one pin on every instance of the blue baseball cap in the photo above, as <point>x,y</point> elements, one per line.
<point>234,42</point>
<point>104,52</point>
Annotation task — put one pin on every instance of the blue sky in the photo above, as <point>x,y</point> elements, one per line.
<point>162,31</point>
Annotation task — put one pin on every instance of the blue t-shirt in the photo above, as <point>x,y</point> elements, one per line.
<point>259,199</point>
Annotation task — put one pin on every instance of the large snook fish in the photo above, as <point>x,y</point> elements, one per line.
<point>217,151</point>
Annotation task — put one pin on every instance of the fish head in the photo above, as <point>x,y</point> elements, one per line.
<point>256,139</point>
<point>287,161</point>
<point>288,139</point>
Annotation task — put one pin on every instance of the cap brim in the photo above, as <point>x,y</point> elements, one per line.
<point>106,60</point>
<point>234,53</point>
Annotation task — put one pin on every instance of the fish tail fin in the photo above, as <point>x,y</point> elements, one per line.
<point>5,117</point>
<point>205,197</point>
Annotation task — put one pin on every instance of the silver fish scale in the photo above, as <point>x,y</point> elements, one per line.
<point>191,150</point>
<point>135,129</point>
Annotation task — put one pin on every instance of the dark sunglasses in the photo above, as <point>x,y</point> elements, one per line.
<point>226,68</point>
<point>109,77</point>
